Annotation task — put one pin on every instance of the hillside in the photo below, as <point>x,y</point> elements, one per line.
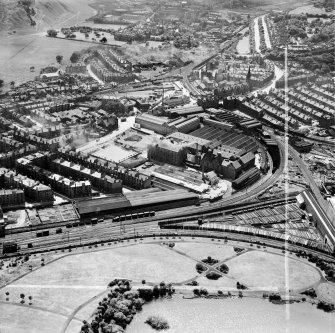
<point>27,14</point>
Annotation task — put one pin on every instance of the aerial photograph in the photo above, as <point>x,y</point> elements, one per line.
<point>167,166</point>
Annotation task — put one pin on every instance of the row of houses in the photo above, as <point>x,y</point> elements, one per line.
<point>129,178</point>
<point>33,189</point>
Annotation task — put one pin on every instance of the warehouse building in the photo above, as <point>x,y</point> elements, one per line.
<point>153,123</point>
<point>167,152</point>
<point>139,201</point>
<point>162,126</point>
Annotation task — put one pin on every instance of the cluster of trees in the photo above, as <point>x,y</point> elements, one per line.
<point>240,286</point>
<point>200,292</point>
<point>210,261</point>
<point>213,276</point>
<point>200,268</point>
<point>325,266</point>
<point>224,269</point>
<point>274,297</point>
<point>321,64</point>
<point>310,292</point>
<point>157,323</point>
<point>163,290</point>
<point>116,311</point>
<point>327,307</point>
<point>238,249</point>
<point>52,33</point>
<point>75,57</point>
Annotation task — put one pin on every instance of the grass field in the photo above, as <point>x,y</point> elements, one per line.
<point>222,283</point>
<point>199,251</point>
<point>62,286</point>
<point>326,291</point>
<point>267,271</point>
<point>19,319</point>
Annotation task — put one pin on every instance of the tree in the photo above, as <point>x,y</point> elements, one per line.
<point>75,57</point>
<point>52,33</point>
<point>103,40</point>
<point>12,84</point>
<point>155,291</point>
<point>1,83</point>
<point>59,58</point>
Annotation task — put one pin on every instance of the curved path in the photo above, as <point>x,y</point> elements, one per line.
<point>72,315</point>
<point>77,309</point>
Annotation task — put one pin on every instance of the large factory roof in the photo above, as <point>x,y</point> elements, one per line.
<point>188,138</point>
<point>185,110</point>
<point>152,119</point>
<point>102,204</point>
<point>137,199</point>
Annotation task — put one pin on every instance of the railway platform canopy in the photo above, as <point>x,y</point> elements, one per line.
<point>320,218</point>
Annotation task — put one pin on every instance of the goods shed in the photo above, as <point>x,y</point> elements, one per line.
<point>137,201</point>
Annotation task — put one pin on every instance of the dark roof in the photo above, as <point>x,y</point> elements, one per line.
<point>102,204</point>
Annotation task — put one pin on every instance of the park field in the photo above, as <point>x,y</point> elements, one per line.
<point>202,250</point>
<point>269,271</point>
<point>67,289</point>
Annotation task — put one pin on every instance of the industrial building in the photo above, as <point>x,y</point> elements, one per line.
<point>139,201</point>
<point>162,126</point>
<point>184,111</point>
<point>167,152</point>
<point>153,123</point>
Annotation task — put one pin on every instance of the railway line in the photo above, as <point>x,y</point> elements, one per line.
<point>74,236</point>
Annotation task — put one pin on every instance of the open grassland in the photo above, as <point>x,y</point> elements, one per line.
<point>144,261</point>
<point>270,271</point>
<point>20,319</point>
<point>199,251</point>
<point>76,282</point>
<point>326,291</point>
<point>223,283</point>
